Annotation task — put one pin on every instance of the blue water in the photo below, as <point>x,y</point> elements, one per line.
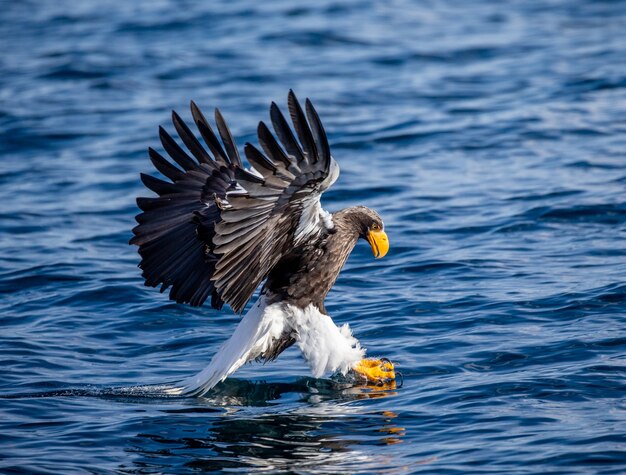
<point>492,139</point>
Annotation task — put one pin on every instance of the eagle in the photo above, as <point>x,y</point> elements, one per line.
<point>218,229</point>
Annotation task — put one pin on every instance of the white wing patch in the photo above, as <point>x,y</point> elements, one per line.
<point>312,219</point>
<point>313,215</point>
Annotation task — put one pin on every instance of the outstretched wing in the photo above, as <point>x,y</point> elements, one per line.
<point>176,229</point>
<point>218,229</point>
<point>278,204</point>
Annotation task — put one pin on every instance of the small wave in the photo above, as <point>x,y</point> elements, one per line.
<point>147,391</point>
<point>599,213</point>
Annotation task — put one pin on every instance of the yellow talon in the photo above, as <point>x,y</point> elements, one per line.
<point>376,370</point>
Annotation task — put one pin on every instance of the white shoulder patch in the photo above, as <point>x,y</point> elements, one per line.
<point>327,219</point>
<point>313,217</point>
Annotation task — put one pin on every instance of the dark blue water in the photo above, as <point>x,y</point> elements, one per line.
<point>492,139</point>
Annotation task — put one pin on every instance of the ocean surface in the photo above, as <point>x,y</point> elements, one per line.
<point>491,137</point>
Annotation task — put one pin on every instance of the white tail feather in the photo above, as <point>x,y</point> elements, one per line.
<point>254,335</point>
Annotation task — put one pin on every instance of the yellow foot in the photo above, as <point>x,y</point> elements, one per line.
<point>376,371</point>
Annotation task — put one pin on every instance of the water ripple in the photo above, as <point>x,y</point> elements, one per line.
<point>491,139</point>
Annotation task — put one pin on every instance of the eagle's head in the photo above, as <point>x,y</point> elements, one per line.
<point>369,226</point>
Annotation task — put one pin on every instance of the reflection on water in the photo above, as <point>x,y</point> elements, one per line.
<point>240,392</point>
<point>318,424</point>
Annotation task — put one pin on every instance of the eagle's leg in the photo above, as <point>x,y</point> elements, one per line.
<point>329,348</point>
<point>375,370</point>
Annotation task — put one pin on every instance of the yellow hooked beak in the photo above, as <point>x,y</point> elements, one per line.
<point>379,242</point>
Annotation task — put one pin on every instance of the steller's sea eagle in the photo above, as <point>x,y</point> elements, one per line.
<point>218,230</point>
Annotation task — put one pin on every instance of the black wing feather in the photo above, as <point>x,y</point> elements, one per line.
<point>158,186</point>
<point>285,135</point>
<point>271,148</point>
<point>302,128</point>
<point>319,134</point>
<point>174,150</point>
<point>190,141</point>
<point>209,136</point>
<point>176,229</point>
<point>227,138</point>
<point>165,167</point>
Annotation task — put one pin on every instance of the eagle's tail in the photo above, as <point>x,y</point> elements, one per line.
<point>258,335</point>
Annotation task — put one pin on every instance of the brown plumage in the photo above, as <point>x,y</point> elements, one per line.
<point>308,272</point>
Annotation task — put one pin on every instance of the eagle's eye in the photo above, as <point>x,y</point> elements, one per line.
<point>375,227</point>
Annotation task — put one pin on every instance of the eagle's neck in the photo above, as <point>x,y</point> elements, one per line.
<point>306,275</point>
